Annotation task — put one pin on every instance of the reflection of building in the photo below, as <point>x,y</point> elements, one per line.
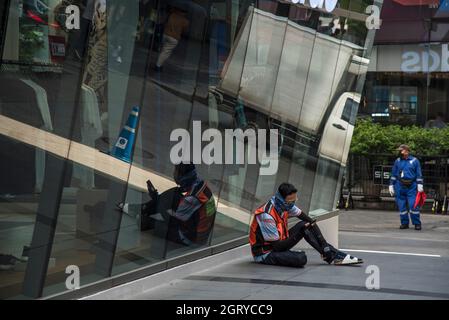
<point>266,70</point>
<point>409,68</point>
<point>289,67</point>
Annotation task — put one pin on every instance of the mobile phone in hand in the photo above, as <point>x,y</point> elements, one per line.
<point>151,190</point>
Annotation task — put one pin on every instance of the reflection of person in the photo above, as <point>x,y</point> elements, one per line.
<point>95,76</point>
<point>176,25</point>
<point>406,180</point>
<point>85,23</point>
<point>438,122</point>
<point>271,241</point>
<point>326,29</point>
<point>193,215</point>
<point>8,262</point>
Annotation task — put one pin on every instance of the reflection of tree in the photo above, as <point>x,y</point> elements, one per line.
<point>356,30</point>
<point>31,40</point>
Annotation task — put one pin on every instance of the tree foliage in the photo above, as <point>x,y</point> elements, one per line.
<point>374,138</point>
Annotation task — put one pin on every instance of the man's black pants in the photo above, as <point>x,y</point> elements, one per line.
<point>298,259</point>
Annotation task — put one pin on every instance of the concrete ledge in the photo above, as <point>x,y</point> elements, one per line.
<point>328,224</point>
<point>145,271</point>
<point>140,286</point>
<point>329,229</point>
<point>137,282</point>
<point>328,215</point>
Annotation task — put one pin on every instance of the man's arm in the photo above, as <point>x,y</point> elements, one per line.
<point>268,227</point>
<point>301,215</point>
<point>394,173</point>
<point>394,177</point>
<point>419,178</point>
<point>270,233</point>
<point>187,207</point>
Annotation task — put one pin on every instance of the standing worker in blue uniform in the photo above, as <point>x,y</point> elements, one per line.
<point>405,182</point>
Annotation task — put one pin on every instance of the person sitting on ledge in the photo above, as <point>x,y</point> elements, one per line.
<point>271,240</point>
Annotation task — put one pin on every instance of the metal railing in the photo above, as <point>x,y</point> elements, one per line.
<point>368,175</point>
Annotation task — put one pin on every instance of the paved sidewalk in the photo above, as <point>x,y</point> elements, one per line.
<point>412,265</point>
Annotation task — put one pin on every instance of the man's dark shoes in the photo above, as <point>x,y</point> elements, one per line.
<point>403,226</point>
<point>417,227</point>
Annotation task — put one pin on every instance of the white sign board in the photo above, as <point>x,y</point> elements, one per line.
<point>329,5</point>
<point>411,58</point>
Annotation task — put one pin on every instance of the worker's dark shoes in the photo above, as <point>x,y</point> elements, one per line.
<point>403,226</point>
<point>417,227</point>
<point>345,259</point>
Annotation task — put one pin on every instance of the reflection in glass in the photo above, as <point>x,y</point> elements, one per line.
<point>65,96</point>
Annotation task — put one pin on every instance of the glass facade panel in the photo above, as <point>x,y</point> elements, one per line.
<point>407,79</point>
<point>91,116</point>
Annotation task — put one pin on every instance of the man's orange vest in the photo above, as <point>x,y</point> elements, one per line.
<point>258,244</point>
<point>197,229</point>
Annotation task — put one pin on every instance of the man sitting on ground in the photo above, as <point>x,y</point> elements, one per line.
<point>271,240</point>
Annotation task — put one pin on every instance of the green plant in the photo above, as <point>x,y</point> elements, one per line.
<point>374,138</point>
<point>31,41</point>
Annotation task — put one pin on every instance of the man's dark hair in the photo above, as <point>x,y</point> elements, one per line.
<point>177,9</point>
<point>184,168</point>
<point>286,189</point>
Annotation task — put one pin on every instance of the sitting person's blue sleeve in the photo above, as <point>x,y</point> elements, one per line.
<point>268,227</point>
<point>186,208</point>
<point>294,212</point>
